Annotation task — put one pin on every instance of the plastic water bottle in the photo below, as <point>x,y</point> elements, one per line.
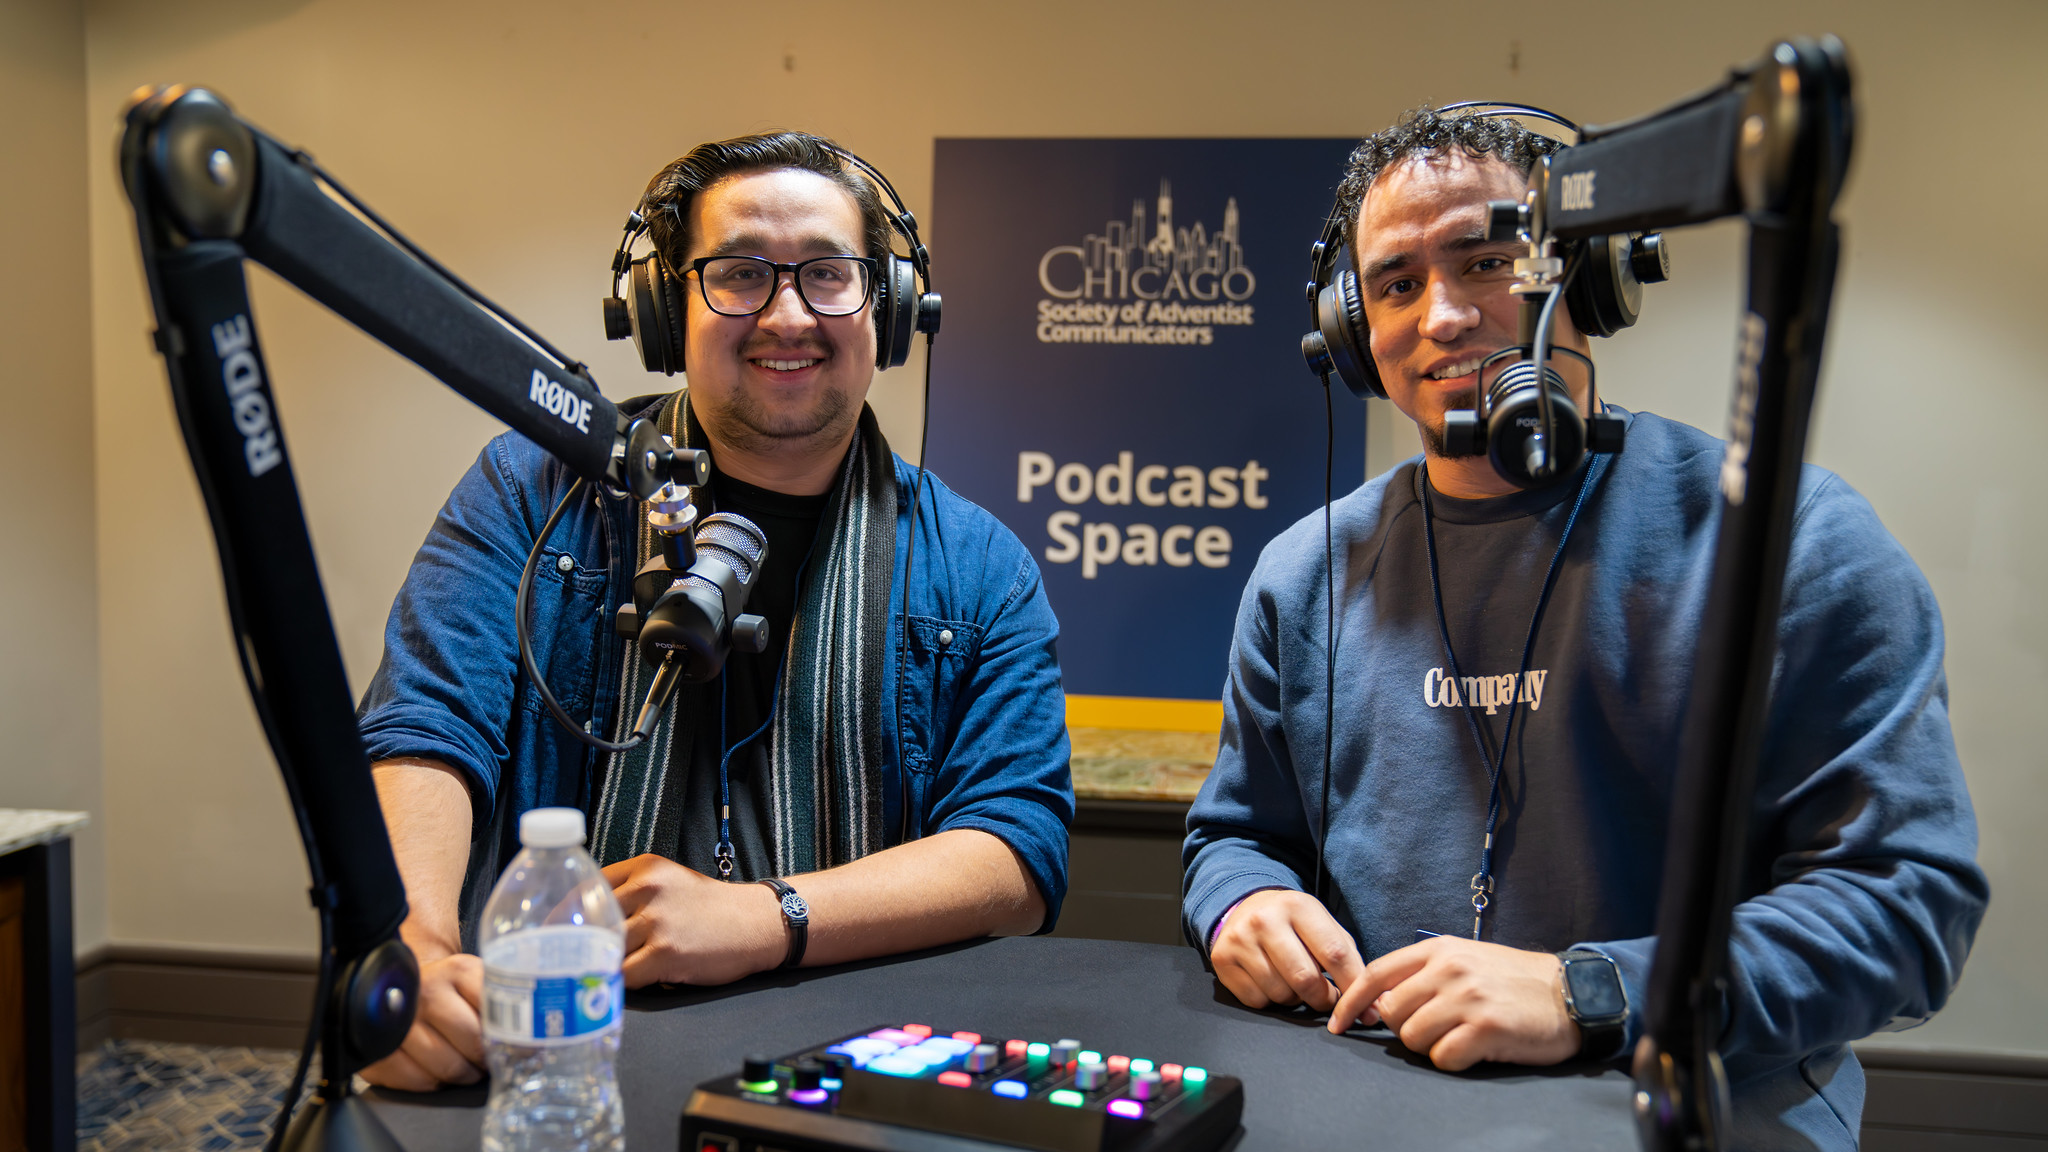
<point>552,942</point>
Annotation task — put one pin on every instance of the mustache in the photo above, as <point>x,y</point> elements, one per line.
<point>778,350</point>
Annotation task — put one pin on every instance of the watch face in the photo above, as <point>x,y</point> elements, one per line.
<point>1596,989</point>
<point>793,906</point>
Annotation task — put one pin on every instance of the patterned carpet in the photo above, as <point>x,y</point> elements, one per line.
<point>141,1094</point>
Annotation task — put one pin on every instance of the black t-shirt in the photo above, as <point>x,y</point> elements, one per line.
<point>1492,555</point>
<point>747,691</point>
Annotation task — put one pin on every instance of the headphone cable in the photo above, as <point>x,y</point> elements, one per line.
<point>909,554</point>
<point>1329,630</point>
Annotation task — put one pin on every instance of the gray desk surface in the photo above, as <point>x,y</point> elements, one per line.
<point>1304,1088</point>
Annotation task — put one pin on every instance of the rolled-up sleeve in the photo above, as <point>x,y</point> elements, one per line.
<point>991,692</point>
<point>445,687</point>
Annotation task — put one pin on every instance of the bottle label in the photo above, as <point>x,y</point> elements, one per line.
<point>522,1007</point>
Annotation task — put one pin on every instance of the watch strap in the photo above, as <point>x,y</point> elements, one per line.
<point>799,926</point>
<point>1600,1041</point>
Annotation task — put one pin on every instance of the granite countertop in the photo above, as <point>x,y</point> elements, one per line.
<point>1131,764</point>
<point>26,827</point>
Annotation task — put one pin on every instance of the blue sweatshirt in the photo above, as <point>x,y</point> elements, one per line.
<point>1861,892</point>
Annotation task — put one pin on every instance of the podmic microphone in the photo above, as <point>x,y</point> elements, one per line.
<point>1507,427</point>
<point>699,618</point>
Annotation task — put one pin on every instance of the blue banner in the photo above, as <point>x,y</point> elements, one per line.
<point>1120,380</point>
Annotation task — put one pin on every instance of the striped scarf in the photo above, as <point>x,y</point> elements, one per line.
<point>825,746</point>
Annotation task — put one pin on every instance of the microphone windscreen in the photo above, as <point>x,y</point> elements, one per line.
<point>1522,374</point>
<point>736,540</point>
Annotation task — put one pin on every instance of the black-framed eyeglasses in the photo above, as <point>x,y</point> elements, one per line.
<point>743,285</point>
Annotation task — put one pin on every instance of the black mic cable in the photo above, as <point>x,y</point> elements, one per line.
<point>1545,461</point>
<point>700,617</point>
<point>526,642</point>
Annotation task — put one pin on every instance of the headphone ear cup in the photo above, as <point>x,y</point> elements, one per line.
<point>1340,320</point>
<point>1358,337</point>
<point>656,312</point>
<point>1605,296</point>
<point>895,310</point>
<point>673,312</point>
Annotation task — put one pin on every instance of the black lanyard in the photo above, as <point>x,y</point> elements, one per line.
<point>725,852</point>
<point>1482,880</point>
<point>725,848</point>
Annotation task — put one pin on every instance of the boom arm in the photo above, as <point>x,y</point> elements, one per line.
<point>208,192</point>
<point>1771,144</point>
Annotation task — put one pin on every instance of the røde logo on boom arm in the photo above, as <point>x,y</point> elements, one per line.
<point>243,379</point>
<point>556,400</point>
<point>1576,195</point>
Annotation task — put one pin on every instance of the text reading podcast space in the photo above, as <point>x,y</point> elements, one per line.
<point>1122,482</point>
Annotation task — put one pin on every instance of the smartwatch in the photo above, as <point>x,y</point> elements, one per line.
<point>796,916</point>
<point>1596,1001</point>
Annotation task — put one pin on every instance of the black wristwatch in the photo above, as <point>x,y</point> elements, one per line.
<point>796,916</point>
<point>1596,1001</point>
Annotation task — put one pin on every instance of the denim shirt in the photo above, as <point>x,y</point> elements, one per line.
<point>983,721</point>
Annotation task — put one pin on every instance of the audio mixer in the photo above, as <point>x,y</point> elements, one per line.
<point>909,1089</point>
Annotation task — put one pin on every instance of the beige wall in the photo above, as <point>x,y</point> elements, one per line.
<point>49,624</point>
<point>511,137</point>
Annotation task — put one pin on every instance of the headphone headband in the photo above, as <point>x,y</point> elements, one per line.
<point>1510,109</point>
<point>904,222</point>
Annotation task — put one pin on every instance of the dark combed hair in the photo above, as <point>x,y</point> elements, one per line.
<point>667,202</point>
<point>1427,131</point>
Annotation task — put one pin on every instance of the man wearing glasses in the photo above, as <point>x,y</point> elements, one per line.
<point>897,756</point>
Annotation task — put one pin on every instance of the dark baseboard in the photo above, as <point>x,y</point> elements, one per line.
<point>2025,1065</point>
<point>194,996</point>
<point>1943,1100</point>
<point>1153,817</point>
<point>1123,873</point>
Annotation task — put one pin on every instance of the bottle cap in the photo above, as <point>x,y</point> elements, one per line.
<point>551,827</point>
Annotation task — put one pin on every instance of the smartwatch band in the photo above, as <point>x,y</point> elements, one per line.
<point>796,916</point>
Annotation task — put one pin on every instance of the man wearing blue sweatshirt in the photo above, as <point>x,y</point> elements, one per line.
<point>1861,893</point>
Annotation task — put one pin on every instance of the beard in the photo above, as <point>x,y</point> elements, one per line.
<point>1433,431</point>
<point>750,426</point>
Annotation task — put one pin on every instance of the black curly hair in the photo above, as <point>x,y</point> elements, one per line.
<point>666,204</point>
<point>1428,131</point>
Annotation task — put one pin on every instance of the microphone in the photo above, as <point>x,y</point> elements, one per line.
<point>699,617</point>
<point>1507,427</point>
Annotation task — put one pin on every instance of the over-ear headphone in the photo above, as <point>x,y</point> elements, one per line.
<point>653,309</point>
<point>1605,295</point>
